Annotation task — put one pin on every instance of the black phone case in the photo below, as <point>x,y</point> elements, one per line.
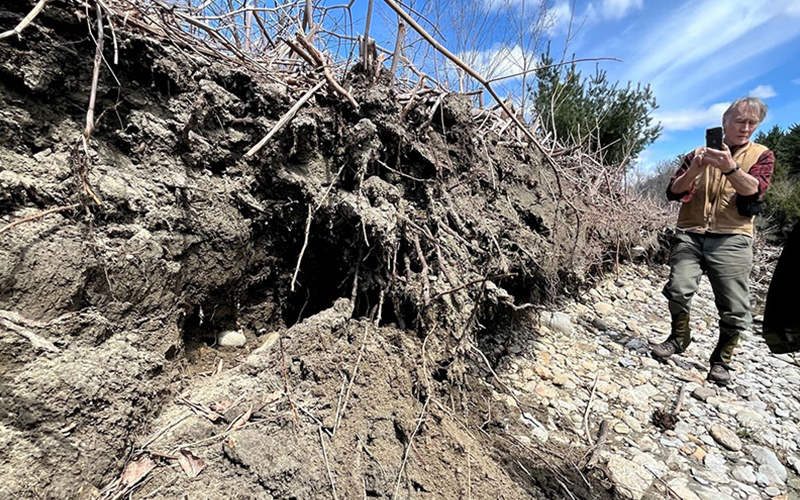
<point>714,138</point>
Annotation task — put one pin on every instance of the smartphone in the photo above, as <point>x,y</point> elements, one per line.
<point>714,138</point>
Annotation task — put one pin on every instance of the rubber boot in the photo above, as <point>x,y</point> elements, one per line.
<point>728,339</point>
<point>679,339</point>
<point>681,331</point>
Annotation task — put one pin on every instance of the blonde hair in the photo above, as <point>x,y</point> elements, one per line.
<point>752,103</point>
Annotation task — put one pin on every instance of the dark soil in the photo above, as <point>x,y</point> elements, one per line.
<point>192,240</point>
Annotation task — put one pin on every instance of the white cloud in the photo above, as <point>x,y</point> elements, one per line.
<point>796,81</point>
<point>558,18</point>
<point>687,119</point>
<point>617,9</point>
<point>680,59</point>
<point>683,40</point>
<point>561,13</point>
<point>763,92</point>
<point>499,61</point>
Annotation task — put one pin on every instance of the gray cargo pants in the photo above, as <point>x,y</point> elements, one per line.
<point>727,259</point>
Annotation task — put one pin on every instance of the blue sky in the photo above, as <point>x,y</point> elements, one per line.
<point>698,55</point>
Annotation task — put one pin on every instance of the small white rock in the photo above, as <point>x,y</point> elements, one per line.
<point>231,338</point>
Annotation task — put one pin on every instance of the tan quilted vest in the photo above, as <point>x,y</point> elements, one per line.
<point>713,206</point>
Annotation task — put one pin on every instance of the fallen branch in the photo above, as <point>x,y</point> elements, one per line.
<point>240,420</point>
<point>285,119</point>
<point>199,409</point>
<point>130,479</point>
<point>26,20</point>
<point>163,431</point>
<point>679,401</point>
<point>300,52</point>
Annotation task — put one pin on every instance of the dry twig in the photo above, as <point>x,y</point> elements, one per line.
<point>98,60</point>
<point>327,465</point>
<point>26,20</point>
<point>588,409</point>
<point>314,53</point>
<point>284,119</point>
<point>408,446</point>
<point>39,215</point>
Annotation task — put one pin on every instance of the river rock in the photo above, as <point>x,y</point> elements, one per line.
<point>772,475</point>
<point>630,479</point>
<point>231,338</point>
<point>601,324</point>
<point>603,308</point>
<point>703,393</point>
<point>725,437</point>
<point>557,321</point>
<point>765,456</point>
<point>744,473</point>
<point>680,486</point>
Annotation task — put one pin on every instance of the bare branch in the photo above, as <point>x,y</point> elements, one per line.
<point>26,20</point>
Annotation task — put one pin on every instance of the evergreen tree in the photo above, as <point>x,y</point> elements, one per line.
<point>782,202</point>
<point>790,150</point>
<point>594,112</point>
<point>771,139</point>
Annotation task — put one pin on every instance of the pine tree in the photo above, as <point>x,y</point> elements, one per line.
<point>790,150</point>
<point>594,112</point>
<point>782,202</point>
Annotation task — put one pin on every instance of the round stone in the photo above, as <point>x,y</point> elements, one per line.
<point>725,437</point>
<point>600,324</point>
<point>603,308</point>
<point>744,474</point>
<point>767,457</point>
<point>231,338</point>
<point>630,479</point>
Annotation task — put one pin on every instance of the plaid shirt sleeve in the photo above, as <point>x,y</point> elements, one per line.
<point>762,171</point>
<point>686,195</point>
